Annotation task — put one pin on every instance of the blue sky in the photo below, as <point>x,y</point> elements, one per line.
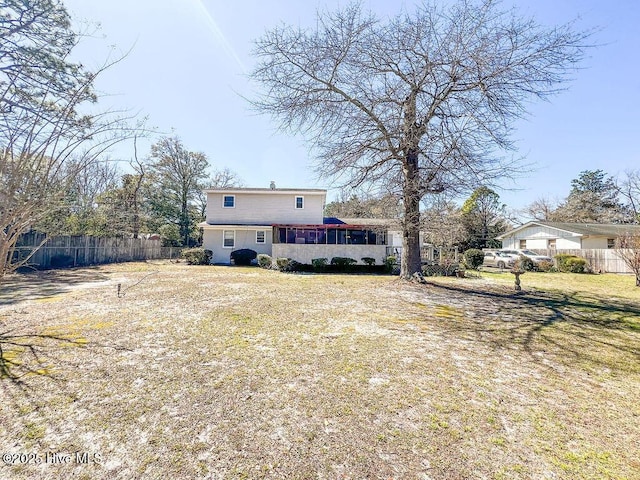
<point>188,59</point>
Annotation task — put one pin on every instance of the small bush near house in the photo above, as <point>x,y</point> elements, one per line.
<point>390,264</point>
<point>368,261</point>
<point>473,258</point>
<point>337,265</point>
<point>282,264</point>
<point>576,265</point>
<point>571,263</point>
<point>319,264</point>
<point>546,267</point>
<point>524,263</point>
<point>561,259</point>
<point>300,267</point>
<point>244,256</point>
<point>343,261</point>
<point>264,261</point>
<point>197,256</point>
<point>440,270</point>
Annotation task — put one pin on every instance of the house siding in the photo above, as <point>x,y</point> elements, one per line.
<point>595,242</point>
<point>537,237</point>
<point>265,207</point>
<point>244,238</point>
<point>306,253</point>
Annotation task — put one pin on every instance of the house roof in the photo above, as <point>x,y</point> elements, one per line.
<point>234,225</point>
<point>338,225</point>
<point>380,222</point>
<point>580,229</point>
<point>305,191</point>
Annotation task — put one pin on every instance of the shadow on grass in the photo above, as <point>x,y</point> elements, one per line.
<point>37,285</point>
<point>29,382</point>
<point>579,328</point>
<point>24,355</point>
<point>29,363</point>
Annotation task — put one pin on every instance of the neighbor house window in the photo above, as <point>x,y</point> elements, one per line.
<point>611,243</point>
<point>551,243</point>
<point>523,244</point>
<point>260,235</point>
<point>228,238</point>
<point>229,201</point>
<point>299,202</point>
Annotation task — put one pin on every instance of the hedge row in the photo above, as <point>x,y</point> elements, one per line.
<point>323,265</point>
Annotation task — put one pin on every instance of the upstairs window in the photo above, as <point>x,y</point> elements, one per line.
<point>299,202</point>
<point>229,201</point>
<point>611,243</point>
<point>523,244</point>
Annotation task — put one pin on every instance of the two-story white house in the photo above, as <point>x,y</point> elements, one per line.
<point>284,222</point>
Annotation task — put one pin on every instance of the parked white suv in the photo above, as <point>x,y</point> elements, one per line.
<point>498,259</point>
<point>535,258</point>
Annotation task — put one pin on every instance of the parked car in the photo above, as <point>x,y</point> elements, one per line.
<point>535,258</point>
<point>498,260</point>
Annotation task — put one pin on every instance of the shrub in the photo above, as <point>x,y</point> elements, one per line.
<point>244,256</point>
<point>561,260</point>
<point>389,263</point>
<point>524,263</point>
<point>197,256</point>
<point>319,264</point>
<point>546,267</point>
<point>368,261</point>
<point>473,258</point>
<point>571,263</point>
<point>343,261</point>
<point>295,266</point>
<point>282,264</point>
<point>440,270</point>
<point>430,270</point>
<point>264,261</point>
<point>575,265</point>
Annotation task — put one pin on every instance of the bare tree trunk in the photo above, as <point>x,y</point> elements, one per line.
<point>411,263</point>
<point>136,191</point>
<point>184,218</point>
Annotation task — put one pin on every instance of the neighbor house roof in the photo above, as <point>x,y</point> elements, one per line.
<point>580,229</point>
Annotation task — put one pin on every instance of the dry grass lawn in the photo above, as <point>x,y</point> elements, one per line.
<point>241,373</point>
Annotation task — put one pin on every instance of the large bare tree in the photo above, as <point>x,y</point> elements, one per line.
<point>424,101</point>
<point>629,188</point>
<point>49,129</point>
<point>627,247</point>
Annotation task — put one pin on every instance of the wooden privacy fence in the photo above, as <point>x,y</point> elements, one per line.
<point>600,259</point>
<point>81,250</point>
